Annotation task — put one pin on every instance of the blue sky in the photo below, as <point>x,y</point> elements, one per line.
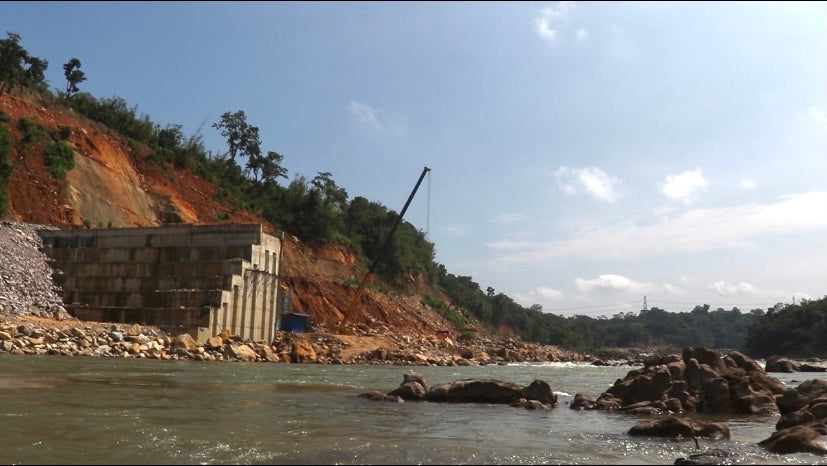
<point>583,155</point>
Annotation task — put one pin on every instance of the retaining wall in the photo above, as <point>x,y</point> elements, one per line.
<point>196,279</point>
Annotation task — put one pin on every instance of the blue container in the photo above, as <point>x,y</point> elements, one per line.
<point>294,322</point>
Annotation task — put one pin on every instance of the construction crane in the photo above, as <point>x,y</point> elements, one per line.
<point>341,329</point>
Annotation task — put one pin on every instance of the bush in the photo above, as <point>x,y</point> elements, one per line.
<point>5,169</point>
<point>60,158</point>
<point>32,132</point>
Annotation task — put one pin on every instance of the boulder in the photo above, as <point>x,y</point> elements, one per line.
<point>697,380</point>
<point>681,429</point>
<point>793,399</point>
<point>476,391</point>
<point>780,364</point>
<point>413,387</point>
<point>810,437</point>
<point>537,395</point>
<point>582,402</point>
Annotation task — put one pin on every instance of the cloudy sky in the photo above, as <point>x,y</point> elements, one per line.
<point>583,155</point>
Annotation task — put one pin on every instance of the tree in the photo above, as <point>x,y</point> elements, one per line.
<point>18,67</point>
<point>242,138</point>
<point>35,74</point>
<point>333,194</point>
<point>269,165</point>
<point>74,76</point>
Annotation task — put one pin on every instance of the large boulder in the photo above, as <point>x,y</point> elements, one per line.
<point>810,437</point>
<point>413,387</point>
<point>793,399</point>
<point>780,364</point>
<point>681,429</point>
<point>803,425</point>
<point>476,391</point>
<point>699,379</point>
<point>537,395</point>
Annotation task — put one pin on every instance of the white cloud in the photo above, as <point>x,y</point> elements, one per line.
<point>685,186</point>
<point>549,293</point>
<point>547,24</point>
<point>582,35</point>
<point>591,180</point>
<point>619,283</point>
<point>608,282</point>
<point>365,114</point>
<point>817,114</point>
<point>539,295</point>
<point>728,289</point>
<point>453,230</point>
<point>747,184</point>
<point>694,231</point>
<point>510,218</point>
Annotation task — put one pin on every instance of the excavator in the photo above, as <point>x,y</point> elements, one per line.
<point>341,329</point>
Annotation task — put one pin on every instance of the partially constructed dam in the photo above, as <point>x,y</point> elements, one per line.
<point>196,279</point>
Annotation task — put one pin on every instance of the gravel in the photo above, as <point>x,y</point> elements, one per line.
<point>26,284</point>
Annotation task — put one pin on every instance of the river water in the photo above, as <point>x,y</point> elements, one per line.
<point>81,410</point>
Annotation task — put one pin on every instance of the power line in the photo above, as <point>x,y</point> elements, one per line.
<point>590,307</point>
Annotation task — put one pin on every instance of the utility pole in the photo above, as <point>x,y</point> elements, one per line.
<point>645,306</point>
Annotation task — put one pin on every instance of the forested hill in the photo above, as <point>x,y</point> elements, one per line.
<point>50,136</point>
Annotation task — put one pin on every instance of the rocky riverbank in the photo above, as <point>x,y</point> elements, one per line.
<point>34,321</point>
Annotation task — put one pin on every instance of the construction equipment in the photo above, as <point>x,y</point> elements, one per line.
<point>341,329</point>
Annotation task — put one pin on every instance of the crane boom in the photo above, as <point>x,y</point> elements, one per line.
<point>359,291</point>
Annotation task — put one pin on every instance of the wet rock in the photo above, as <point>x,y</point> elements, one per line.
<point>582,402</point>
<point>780,364</point>
<point>810,437</point>
<point>681,428</point>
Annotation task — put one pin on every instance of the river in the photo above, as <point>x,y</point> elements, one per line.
<point>82,410</point>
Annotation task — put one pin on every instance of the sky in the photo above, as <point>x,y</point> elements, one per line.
<point>588,157</point>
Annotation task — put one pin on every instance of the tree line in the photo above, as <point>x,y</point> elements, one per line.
<point>254,178</point>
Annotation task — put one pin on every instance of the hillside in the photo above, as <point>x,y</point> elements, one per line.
<point>113,184</point>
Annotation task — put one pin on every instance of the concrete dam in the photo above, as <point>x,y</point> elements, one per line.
<point>196,279</point>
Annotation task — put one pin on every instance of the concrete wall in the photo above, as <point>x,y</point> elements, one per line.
<point>198,279</point>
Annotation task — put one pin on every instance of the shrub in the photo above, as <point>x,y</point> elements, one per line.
<point>32,132</point>
<point>5,169</point>
<point>60,158</point>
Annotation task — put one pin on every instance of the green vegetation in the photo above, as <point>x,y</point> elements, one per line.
<point>59,158</point>
<point>5,169</point>
<point>318,211</point>
<point>17,67</point>
<point>74,76</point>
<point>649,328</point>
<point>793,330</point>
<point>32,132</point>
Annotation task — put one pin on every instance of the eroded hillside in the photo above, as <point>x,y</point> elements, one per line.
<point>112,184</point>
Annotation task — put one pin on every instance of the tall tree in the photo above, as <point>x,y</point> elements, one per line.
<point>12,58</point>
<point>268,165</point>
<point>242,137</point>
<point>335,196</point>
<point>74,76</point>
